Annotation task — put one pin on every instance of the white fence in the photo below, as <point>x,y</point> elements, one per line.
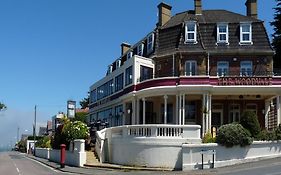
<point>192,154</point>
<point>73,157</point>
<point>146,145</point>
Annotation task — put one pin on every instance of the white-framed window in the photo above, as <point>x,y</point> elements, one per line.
<point>118,63</point>
<point>222,33</point>
<point>234,113</point>
<point>140,49</point>
<point>129,75</point>
<point>109,70</point>
<point>191,32</point>
<point>222,68</point>
<point>150,43</point>
<point>190,68</point>
<point>245,33</point>
<point>246,68</point>
<point>129,55</point>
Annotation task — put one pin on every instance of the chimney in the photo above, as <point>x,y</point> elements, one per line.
<point>164,13</point>
<point>252,8</point>
<point>198,7</point>
<point>124,48</point>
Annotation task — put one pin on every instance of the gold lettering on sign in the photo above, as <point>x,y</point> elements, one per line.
<point>247,81</point>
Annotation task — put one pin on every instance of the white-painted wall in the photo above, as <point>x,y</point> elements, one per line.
<point>147,152</point>
<point>146,145</point>
<point>43,153</point>
<point>192,157</point>
<point>76,157</point>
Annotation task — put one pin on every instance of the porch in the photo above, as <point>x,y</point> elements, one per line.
<point>205,109</point>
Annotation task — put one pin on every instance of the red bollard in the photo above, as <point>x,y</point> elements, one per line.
<point>62,155</point>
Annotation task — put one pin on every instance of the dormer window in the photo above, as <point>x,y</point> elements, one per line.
<point>150,43</point>
<point>129,55</point>
<point>222,33</point>
<point>140,50</point>
<point>109,70</point>
<point>245,33</point>
<point>191,32</point>
<point>118,63</point>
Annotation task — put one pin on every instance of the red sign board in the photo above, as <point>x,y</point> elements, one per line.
<point>244,81</point>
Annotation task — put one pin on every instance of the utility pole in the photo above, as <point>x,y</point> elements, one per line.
<point>34,131</point>
<point>18,132</point>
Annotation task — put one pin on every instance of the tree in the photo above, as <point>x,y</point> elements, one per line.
<point>81,116</point>
<point>85,102</point>
<point>2,106</point>
<point>276,42</point>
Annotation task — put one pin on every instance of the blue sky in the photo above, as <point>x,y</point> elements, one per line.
<point>53,50</point>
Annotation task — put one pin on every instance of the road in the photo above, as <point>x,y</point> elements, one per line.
<point>262,167</point>
<point>13,163</point>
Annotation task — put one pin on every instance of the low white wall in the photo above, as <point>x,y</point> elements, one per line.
<point>76,157</point>
<point>147,152</point>
<point>146,145</point>
<point>43,153</point>
<point>192,157</point>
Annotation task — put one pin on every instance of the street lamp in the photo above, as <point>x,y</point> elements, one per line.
<point>34,131</point>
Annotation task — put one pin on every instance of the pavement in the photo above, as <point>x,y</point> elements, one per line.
<point>262,167</point>
<point>113,169</point>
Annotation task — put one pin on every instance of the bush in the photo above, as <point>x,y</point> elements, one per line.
<point>75,130</point>
<point>44,142</point>
<point>22,146</point>
<point>266,136</point>
<point>233,134</point>
<point>208,138</point>
<point>59,139</point>
<point>250,121</point>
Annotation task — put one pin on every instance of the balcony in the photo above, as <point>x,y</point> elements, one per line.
<point>275,72</point>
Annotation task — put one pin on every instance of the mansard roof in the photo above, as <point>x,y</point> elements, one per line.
<point>171,35</point>
<point>209,16</point>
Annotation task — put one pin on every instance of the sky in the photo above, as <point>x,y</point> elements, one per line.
<point>53,50</point>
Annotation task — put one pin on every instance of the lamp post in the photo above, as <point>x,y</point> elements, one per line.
<point>34,131</point>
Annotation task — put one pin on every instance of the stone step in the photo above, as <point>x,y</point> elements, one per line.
<point>91,158</point>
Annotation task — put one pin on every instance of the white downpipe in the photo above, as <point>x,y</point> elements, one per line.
<point>180,109</point>
<point>183,109</point>
<point>143,111</point>
<point>165,109</point>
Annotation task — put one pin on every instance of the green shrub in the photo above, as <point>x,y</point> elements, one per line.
<point>44,142</point>
<point>208,138</point>
<point>58,138</point>
<point>75,130</point>
<point>266,136</point>
<point>233,134</point>
<point>250,121</point>
<point>277,132</point>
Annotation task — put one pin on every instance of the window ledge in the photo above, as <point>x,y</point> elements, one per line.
<point>220,43</point>
<point>245,43</point>
<point>190,42</point>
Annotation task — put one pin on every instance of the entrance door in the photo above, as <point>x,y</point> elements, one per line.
<point>234,113</point>
<point>217,118</point>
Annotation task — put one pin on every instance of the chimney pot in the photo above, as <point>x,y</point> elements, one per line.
<point>164,13</point>
<point>252,8</point>
<point>198,7</point>
<point>124,48</point>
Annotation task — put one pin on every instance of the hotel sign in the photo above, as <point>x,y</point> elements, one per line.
<point>244,81</point>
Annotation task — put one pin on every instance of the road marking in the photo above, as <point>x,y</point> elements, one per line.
<point>16,168</point>
<point>51,168</point>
